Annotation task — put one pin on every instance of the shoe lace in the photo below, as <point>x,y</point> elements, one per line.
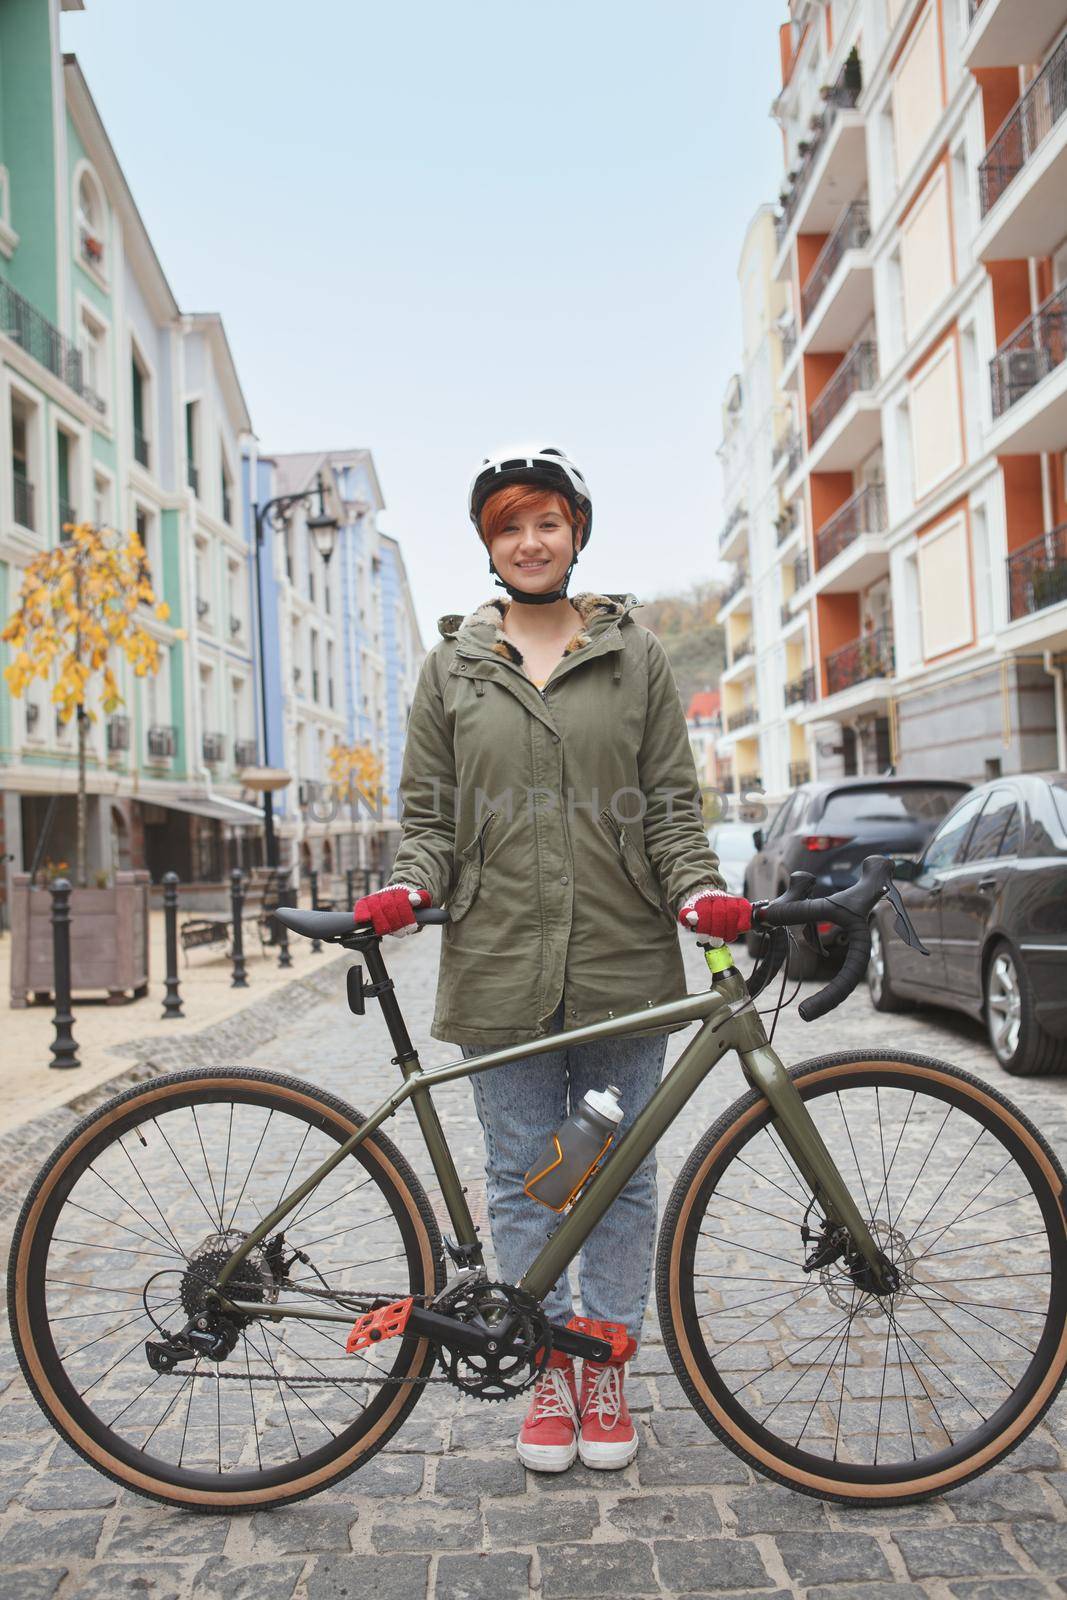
<point>552,1395</point>
<point>606,1395</point>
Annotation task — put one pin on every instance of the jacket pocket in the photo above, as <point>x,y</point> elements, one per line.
<point>469,879</point>
<point>636,868</point>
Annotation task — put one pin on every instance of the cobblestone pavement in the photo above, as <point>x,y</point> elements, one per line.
<point>446,1511</point>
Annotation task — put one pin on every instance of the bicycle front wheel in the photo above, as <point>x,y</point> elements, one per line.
<point>811,1378</point>
<point>132,1220</point>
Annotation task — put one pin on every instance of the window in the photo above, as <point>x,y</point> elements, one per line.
<point>203,584</point>
<point>66,512</point>
<point>23,464</point>
<point>988,832</point>
<point>8,237</point>
<point>910,802</point>
<point>146,527</point>
<point>225,489</point>
<point>101,500</point>
<point>192,454</point>
<point>139,393</point>
<point>91,223</point>
<point>92,342</point>
<point>948,842</point>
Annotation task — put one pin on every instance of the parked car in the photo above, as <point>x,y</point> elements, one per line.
<point>989,901</point>
<point>735,844</point>
<point>828,827</point>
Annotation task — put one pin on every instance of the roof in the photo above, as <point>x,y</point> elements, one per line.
<point>211,325</point>
<point>705,703</point>
<point>296,470</point>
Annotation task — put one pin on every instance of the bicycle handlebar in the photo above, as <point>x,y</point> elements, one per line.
<point>848,909</point>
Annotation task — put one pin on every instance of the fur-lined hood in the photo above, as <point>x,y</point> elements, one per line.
<point>486,622</point>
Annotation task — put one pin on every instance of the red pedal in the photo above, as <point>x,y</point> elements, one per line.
<point>613,1333</point>
<point>374,1326</point>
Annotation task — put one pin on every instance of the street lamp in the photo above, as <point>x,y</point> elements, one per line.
<point>323,528</point>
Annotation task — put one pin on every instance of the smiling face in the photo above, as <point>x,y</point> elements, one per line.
<point>528,534</point>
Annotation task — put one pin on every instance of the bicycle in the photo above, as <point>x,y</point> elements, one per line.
<point>827,1276</point>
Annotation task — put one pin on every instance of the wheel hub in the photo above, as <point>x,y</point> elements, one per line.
<point>841,1279</point>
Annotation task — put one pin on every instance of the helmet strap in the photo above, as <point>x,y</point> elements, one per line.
<point>523,598</point>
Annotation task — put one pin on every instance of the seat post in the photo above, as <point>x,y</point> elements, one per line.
<point>407,1056</point>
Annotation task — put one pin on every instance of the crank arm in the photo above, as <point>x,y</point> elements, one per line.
<point>431,1325</point>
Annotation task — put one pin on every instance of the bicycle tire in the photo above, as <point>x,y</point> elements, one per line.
<point>701,1371</point>
<point>380,1164</point>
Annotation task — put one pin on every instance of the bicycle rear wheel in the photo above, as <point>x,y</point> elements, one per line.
<point>812,1379</point>
<point>133,1217</point>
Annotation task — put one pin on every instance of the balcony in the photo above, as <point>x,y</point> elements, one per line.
<point>743,717</point>
<point>162,743</point>
<point>1022,180</point>
<point>738,582</point>
<point>22,499</point>
<point>32,332</point>
<point>846,421</point>
<point>140,447</point>
<point>742,648</point>
<point>1037,574</point>
<point>1029,379</point>
<point>786,453</point>
<point>799,691</point>
<point>1003,33</point>
<point>787,332</point>
<point>838,297</point>
<point>118,734</point>
<point>786,524</point>
<point>213,747</point>
<point>801,572</point>
<point>850,547</point>
<point>799,772</point>
<point>749,781</point>
<point>245,753</point>
<point>227,506</point>
<point>730,537</point>
<point>864,659</point>
<point>203,609</point>
<point>833,163</point>
<point>236,625</point>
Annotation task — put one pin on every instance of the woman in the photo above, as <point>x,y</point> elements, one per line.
<point>550,801</point>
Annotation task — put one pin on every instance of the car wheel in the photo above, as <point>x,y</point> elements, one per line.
<point>879,986</point>
<point>1019,1042</point>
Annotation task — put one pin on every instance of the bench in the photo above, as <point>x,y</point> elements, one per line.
<point>257,912</point>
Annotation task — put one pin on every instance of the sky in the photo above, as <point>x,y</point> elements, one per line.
<point>433,230</point>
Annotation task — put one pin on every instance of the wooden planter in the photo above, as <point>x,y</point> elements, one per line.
<point>108,939</point>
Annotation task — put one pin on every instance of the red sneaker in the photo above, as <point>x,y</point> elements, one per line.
<point>607,1438</point>
<point>547,1439</point>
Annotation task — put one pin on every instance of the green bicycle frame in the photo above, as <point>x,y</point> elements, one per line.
<point>728,1021</point>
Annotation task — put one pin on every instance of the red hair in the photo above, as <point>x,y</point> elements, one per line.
<point>503,504</point>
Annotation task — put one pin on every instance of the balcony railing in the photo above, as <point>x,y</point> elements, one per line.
<point>118,733</point>
<point>1034,349</point>
<point>747,781</point>
<point>800,691</point>
<point>140,446</point>
<point>735,585</point>
<point>856,374</point>
<point>741,718</point>
<point>785,523</point>
<point>787,445</point>
<point>868,657</point>
<point>851,233</point>
<point>844,93</point>
<point>23,323</point>
<point>788,334</point>
<point>245,753</point>
<point>862,512</point>
<point>68,517</point>
<point>1034,116</point>
<point>742,648</point>
<point>785,613</point>
<point>801,572</point>
<point>1037,574</point>
<point>213,746</point>
<point>162,742</point>
<point>736,515</point>
<point>22,490</point>
<point>799,772</point>
<point>203,608</point>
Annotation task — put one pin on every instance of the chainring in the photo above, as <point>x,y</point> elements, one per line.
<point>495,1374</point>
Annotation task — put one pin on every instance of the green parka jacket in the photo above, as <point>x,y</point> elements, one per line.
<point>560,827</point>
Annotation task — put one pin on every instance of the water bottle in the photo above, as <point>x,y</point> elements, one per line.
<point>575,1150</point>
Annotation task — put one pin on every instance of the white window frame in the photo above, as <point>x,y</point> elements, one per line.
<point>92,322</point>
<point>35,446</point>
<point>97,271</point>
<point>8,237</point>
<point>151,417</point>
<point>154,545</point>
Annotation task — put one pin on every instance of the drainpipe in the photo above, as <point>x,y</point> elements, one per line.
<point>203,772</point>
<point>1056,674</point>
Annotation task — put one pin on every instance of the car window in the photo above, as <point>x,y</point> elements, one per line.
<point>913,802</point>
<point>950,838</point>
<point>732,842</point>
<point>987,833</point>
<point>1059,797</point>
<point>1012,838</point>
<point>778,825</point>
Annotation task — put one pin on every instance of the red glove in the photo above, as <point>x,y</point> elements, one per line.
<point>391,909</point>
<point>715,912</point>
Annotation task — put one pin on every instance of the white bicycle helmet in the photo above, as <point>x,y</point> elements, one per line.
<point>545,465</point>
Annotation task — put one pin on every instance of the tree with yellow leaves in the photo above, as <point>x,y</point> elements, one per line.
<point>80,602</point>
<point>355,767</point>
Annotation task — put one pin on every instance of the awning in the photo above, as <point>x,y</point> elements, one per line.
<point>215,806</point>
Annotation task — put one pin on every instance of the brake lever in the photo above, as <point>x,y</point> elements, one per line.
<point>904,925</point>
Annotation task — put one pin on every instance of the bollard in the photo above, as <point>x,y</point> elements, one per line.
<point>284,899</point>
<point>172,1004</point>
<point>64,1048</point>
<point>237,900</point>
<point>316,944</point>
<point>350,886</point>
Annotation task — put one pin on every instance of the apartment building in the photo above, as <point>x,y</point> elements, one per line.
<point>921,239</point>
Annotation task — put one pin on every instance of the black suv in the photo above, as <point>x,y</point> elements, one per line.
<point>827,828</point>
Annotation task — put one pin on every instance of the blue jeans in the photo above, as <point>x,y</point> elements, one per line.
<point>519,1106</point>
